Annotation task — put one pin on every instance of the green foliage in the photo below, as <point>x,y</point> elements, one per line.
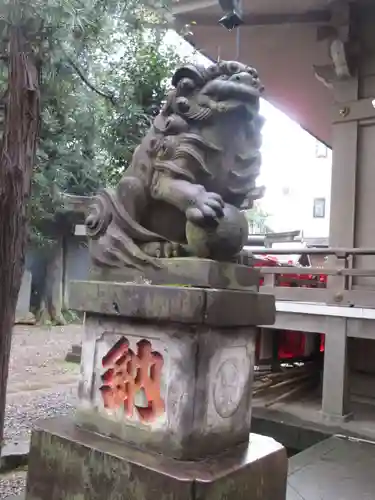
<point>104,74</point>
<point>257,219</point>
<point>140,78</point>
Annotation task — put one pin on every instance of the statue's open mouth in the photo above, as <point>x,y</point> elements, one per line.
<point>225,90</point>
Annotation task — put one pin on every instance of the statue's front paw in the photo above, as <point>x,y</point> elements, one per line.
<point>208,207</point>
<point>162,249</point>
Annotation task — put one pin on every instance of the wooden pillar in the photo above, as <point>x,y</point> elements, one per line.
<point>344,168</point>
<point>266,342</point>
<point>353,143</point>
<point>352,196</point>
<point>335,401</point>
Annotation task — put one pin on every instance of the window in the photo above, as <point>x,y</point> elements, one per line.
<point>321,151</point>
<point>319,211</point>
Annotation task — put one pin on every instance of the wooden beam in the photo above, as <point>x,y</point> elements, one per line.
<point>183,7</point>
<point>312,17</point>
<point>339,252</point>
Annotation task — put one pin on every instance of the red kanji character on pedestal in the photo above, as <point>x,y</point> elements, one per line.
<point>127,373</point>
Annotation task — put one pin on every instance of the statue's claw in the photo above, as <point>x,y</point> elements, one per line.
<point>162,249</point>
<point>207,206</point>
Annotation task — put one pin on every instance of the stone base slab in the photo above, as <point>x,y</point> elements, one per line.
<point>68,463</point>
<point>195,272</point>
<point>213,307</point>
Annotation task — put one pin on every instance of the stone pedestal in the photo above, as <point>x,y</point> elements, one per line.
<point>166,378</point>
<point>168,369</point>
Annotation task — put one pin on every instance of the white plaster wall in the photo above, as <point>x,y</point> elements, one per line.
<point>294,177</point>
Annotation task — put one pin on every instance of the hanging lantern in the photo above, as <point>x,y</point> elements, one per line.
<point>232,14</point>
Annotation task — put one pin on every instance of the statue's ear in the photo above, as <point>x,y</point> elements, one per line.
<point>189,71</point>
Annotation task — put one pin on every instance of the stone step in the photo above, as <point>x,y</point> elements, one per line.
<point>74,355</point>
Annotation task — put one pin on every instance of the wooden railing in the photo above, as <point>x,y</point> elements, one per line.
<point>339,289</point>
<point>340,271</point>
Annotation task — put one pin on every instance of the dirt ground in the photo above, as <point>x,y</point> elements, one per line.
<point>37,358</point>
<point>41,385</point>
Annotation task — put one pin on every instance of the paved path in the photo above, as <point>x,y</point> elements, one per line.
<point>41,385</point>
<point>335,469</point>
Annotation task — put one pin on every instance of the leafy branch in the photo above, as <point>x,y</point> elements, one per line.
<point>90,85</point>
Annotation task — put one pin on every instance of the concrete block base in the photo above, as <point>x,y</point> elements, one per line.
<point>336,419</point>
<point>74,355</point>
<point>68,463</point>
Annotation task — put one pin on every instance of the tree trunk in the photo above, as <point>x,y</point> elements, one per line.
<point>17,156</point>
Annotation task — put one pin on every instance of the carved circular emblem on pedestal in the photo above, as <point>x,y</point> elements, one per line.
<point>228,388</point>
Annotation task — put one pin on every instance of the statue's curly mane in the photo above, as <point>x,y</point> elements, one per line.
<point>185,107</point>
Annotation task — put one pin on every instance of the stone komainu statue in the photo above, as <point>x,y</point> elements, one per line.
<point>193,171</point>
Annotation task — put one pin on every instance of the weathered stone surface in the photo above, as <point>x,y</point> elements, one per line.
<point>205,385</point>
<point>185,305</point>
<point>219,241</point>
<point>68,463</point>
<point>200,348</point>
<point>173,303</point>
<point>235,308</point>
<point>204,273</point>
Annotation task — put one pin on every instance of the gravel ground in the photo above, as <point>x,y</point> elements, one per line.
<point>12,484</point>
<point>44,404</point>
<point>41,385</point>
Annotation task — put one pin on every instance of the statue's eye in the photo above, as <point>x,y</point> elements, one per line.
<point>234,68</point>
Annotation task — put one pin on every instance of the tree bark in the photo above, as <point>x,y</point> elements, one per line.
<point>17,157</point>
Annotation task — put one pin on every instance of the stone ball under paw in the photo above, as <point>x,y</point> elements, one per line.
<point>222,241</point>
